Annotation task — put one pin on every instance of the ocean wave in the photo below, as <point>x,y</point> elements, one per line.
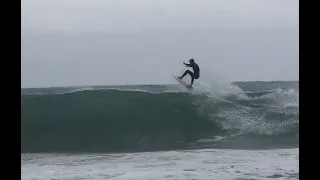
<point>123,119</point>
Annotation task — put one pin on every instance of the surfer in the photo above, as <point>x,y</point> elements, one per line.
<point>196,71</point>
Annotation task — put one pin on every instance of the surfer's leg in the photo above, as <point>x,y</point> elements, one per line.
<point>185,73</point>
<point>192,79</point>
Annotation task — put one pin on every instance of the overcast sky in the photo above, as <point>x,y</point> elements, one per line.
<point>106,42</point>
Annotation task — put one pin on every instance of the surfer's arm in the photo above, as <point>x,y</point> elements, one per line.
<point>188,65</point>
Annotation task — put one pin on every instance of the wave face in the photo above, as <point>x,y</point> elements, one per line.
<point>148,118</point>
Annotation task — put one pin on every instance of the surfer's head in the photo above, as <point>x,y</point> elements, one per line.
<point>191,61</point>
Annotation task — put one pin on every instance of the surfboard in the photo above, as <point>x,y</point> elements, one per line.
<point>182,82</point>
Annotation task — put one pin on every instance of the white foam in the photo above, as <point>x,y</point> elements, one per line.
<point>195,164</point>
<point>79,89</point>
<point>244,118</point>
<point>281,98</point>
<point>213,139</point>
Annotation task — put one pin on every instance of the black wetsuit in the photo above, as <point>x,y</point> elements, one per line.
<point>195,74</point>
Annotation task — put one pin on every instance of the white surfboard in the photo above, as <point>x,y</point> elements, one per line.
<point>182,82</point>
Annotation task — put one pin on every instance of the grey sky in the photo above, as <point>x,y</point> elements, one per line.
<point>104,42</point>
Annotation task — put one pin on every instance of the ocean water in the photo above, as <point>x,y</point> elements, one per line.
<point>243,130</point>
